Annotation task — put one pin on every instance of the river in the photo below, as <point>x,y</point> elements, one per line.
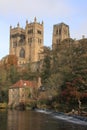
<point>35,120</point>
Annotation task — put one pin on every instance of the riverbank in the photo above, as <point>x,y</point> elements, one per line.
<point>32,104</point>
<point>3,106</point>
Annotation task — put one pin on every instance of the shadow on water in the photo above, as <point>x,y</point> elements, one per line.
<point>32,120</point>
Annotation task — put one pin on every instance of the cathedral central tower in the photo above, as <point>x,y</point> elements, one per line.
<point>60,32</point>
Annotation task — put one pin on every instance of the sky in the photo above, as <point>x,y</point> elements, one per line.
<point>71,12</point>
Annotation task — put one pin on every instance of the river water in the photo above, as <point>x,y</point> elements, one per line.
<point>35,120</point>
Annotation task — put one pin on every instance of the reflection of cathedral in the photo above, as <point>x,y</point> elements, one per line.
<point>26,43</point>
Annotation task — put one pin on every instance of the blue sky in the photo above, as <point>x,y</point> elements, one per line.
<point>71,12</point>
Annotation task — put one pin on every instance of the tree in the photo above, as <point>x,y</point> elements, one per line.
<point>46,67</point>
<point>13,74</point>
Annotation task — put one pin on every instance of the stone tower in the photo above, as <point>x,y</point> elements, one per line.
<point>60,32</point>
<point>26,43</point>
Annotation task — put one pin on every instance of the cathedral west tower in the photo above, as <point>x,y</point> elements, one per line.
<point>26,43</point>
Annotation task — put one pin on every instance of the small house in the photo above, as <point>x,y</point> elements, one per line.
<point>21,91</point>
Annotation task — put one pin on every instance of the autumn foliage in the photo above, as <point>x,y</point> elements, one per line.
<point>8,61</point>
<point>73,91</point>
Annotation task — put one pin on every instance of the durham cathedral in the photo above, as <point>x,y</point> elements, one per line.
<point>28,43</point>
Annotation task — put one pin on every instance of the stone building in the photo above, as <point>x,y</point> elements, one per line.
<point>27,43</point>
<point>60,32</point>
<point>21,92</point>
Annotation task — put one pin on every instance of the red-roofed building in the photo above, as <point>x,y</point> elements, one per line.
<point>21,92</point>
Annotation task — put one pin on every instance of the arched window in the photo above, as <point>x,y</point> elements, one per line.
<point>22,53</point>
<point>57,31</point>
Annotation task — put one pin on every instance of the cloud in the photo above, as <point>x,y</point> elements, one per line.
<point>32,7</point>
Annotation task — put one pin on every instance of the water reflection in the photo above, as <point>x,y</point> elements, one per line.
<point>3,120</point>
<point>22,120</point>
<point>31,120</point>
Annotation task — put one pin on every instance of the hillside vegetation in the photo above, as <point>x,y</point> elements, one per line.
<point>63,74</point>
